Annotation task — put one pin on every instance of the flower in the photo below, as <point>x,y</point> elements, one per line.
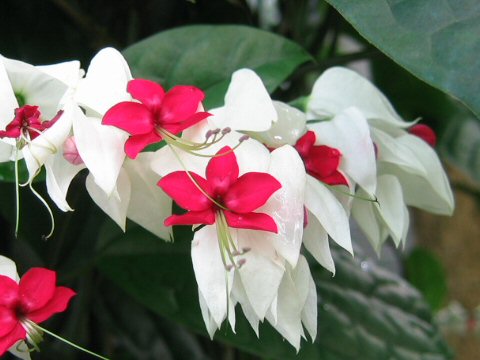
<point>157,115</point>
<point>223,197</point>
<point>320,161</point>
<point>234,261</point>
<point>408,169</point>
<point>33,299</point>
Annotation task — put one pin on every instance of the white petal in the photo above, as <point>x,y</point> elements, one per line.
<point>286,204</point>
<point>340,88</point>
<point>310,311</point>
<point>116,204</point>
<point>368,220</point>
<point>349,132</point>
<point>9,102</point>
<point>263,270</point>
<point>105,83</point>
<point>67,72</point>
<point>289,309</point>
<point>8,268</point>
<point>289,127</point>
<point>315,240</point>
<point>393,151</point>
<point>49,142</point>
<point>20,350</point>
<point>238,292</point>
<point>101,148</point>
<point>248,106</point>
<point>60,174</point>
<point>391,206</point>
<point>207,317</point>
<point>6,152</point>
<point>431,192</point>
<point>210,273</point>
<point>329,212</point>
<point>36,86</point>
<point>149,206</point>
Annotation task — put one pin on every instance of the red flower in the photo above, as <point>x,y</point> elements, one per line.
<point>425,133</point>
<point>224,195</point>
<point>320,161</point>
<point>36,298</point>
<point>27,122</point>
<point>173,112</point>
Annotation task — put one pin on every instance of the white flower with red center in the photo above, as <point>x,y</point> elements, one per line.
<point>119,186</point>
<point>26,302</point>
<point>409,171</point>
<point>251,203</point>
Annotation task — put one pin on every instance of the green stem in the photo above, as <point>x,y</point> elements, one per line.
<point>68,342</point>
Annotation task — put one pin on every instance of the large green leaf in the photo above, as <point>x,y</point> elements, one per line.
<point>364,311</point>
<point>436,40</point>
<point>206,56</point>
<point>457,127</point>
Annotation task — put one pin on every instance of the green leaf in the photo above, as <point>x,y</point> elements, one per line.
<point>426,273</point>
<point>206,56</point>
<point>457,127</point>
<point>364,311</point>
<point>7,172</point>
<point>436,40</point>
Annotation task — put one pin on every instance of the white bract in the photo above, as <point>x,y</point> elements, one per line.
<point>408,169</point>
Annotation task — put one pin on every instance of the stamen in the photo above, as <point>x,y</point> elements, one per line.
<point>241,262</point>
<point>17,194</point>
<point>226,130</point>
<point>359,197</point>
<point>38,328</point>
<point>42,200</point>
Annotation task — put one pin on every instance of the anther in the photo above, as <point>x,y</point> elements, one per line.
<point>226,130</point>
<point>243,138</point>
<point>245,250</point>
<point>241,262</point>
<point>208,134</point>
<point>229,267</point>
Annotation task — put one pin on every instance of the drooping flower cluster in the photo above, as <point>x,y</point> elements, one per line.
<point>257,178</point>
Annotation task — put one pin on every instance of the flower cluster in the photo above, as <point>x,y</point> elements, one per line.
<point>256,177</point>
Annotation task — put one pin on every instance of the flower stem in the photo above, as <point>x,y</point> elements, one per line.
<point>68,342</point>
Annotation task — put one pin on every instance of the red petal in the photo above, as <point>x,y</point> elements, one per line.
<point>130,116</point>
<point>425,133</point>
<point>185,192</point>
<point>8,291</point>
<point>222,170</point>
<point>337,178</point>
<point>206,217</point>
<point>176,128</point>
<point>305,143</point>
<point>180,103</point>
<point>49,123</point>
<point>8,320</point>
<point>12,132</point>
<point>58,303</point>
<point>250,191</point>
<point>36,288</point>
<point>323,160</point>
<point>137,143</point>
<point>147,92</point>
<point>6,342</point>
<point>252,221</point>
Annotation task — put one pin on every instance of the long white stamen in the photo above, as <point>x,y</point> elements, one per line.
<point>17,194</point>
<point>43,201</point>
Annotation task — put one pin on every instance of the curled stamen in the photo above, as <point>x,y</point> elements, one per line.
<point>44,202</point>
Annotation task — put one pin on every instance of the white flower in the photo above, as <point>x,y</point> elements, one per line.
<point>408,169</point>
